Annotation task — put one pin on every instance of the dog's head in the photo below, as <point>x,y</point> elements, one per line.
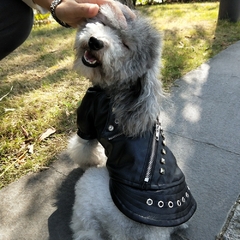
<point>112,51</point>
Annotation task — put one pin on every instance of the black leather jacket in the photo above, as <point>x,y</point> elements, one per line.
<point>146,183</point>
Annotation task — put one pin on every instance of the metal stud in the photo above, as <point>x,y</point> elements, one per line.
<point>164,152</point>
<point>162,171</point>
<point>149,202</point>
<point>110,128</point>
<point>163,136</point>
<point>161,204</point>
<point>163,161</point>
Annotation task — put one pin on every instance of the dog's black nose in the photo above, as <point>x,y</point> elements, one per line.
<point>95,44</point>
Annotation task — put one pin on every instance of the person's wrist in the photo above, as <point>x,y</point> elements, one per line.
<point>53,7</point>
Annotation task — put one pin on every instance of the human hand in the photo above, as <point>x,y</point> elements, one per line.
<point>73,12</point>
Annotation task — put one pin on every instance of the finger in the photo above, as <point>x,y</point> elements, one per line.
<point>130,13</point>
<point>74,13</point>
<point>86,10</point>
<point>111,3</point>
<point>98,2</point>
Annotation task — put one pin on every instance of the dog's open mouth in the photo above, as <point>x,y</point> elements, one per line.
<point>89,59</point>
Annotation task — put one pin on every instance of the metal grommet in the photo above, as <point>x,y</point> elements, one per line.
<point>188,188</point>
<point>163,161</point>
<point>170,204</point>
<point>187,195</point>
<point>183,199</point>
<point>164,152</point>
<point>179,203</point>
<point>164,142</point>
<point>110,128</point>
<point>116,121</point>
<point>149,202</point>
<point>160,204</point>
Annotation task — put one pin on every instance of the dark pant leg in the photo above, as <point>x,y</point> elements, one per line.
<point>16,20</point>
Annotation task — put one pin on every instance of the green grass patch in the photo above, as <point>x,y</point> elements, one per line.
<point>191,35</point>
<point>39,91</point>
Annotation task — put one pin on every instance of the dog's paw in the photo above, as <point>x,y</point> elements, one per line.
<point>86,153</point>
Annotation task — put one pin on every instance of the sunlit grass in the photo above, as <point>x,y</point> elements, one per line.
<point>42,92</point>
<point>191,35</point>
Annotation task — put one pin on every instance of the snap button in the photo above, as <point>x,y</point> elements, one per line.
<point>110,128</point>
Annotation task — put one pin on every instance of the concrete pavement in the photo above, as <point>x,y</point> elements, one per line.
<point>201,119</point>
<point>203,126</point>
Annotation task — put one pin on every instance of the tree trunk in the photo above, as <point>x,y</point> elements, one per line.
<point>229,9</point>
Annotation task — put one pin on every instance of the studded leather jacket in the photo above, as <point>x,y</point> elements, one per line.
<point>146,183</point>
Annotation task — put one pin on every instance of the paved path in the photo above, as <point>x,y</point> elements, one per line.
<point>201,119</point>
<point>203,127</point>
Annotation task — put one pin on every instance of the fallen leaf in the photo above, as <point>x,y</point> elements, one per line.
<point>9,109</point>
<point>46,134</point>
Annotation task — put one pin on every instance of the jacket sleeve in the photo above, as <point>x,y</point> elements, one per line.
<point>85,117</point>
<point>31,4</point>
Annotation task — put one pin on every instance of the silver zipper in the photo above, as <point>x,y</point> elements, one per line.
<point>152,156</point>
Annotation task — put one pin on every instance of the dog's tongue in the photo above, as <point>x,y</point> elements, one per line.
<point>89,57</point>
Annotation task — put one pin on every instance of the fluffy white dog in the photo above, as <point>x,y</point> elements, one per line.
<point>132,187</point>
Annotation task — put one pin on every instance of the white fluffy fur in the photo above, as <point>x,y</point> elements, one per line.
<point>86,153</point>
<point>95,217</point>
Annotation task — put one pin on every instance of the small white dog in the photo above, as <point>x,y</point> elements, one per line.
<point>138,191</point>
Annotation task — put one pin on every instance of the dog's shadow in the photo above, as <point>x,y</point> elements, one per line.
<point>58,222</point>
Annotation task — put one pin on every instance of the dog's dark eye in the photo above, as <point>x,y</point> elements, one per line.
<point>125,45</point>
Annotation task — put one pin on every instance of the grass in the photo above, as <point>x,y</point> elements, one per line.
<point>40,92</point>
<point>192,35</point>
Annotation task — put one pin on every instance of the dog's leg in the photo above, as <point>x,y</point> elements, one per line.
<point>86,153</point>
<point>86,235</point>
<point>89,209</point>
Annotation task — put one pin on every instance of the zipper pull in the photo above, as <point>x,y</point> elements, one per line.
<point>146,179</point>
<point>157,131</point>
